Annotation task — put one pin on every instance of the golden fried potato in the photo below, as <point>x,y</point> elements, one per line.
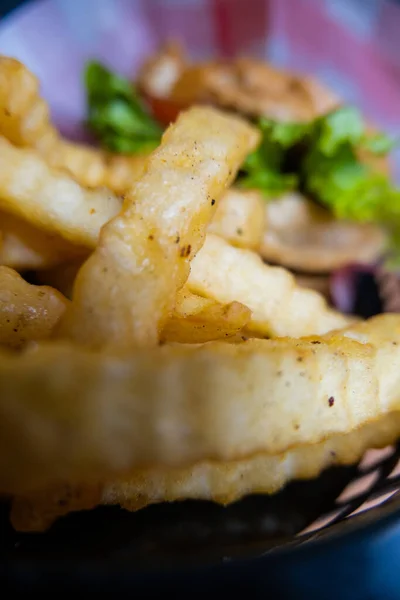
<point>279,307</point>
<point>240,218</point>
<point>26,247</point>
<point>122,171</point>
<point>27,312</point>
<point>301,235</point>
<point>176,405</point>
<point>126,290</point>
<point>25,121</point>
<point>50,199</point>
<point>261,474</point>
<point>197,320</point>
<point>24,116</point>
<point>93,168</point>
<point>220,482</point>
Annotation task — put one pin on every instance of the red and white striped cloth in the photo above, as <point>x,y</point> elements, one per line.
<point>352,45</point>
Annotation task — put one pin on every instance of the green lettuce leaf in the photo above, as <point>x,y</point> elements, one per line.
<point>116,114</point>
<point>321,160</point>
<point>265,169</point>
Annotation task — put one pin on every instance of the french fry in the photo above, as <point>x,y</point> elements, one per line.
<point>122,171</point>
<point>107,414</point>
<point>240,218</point>
<point>24,116</point>
<point>223,483</point>
<point>27,312</point>
<point>25,121</point>
<point>26,247</point>
<point>50,199</point>
<point>197,320</point>
<point>125,292</point>
<point>279,307</point>
<point>156,391</point>
<point>261,474</point>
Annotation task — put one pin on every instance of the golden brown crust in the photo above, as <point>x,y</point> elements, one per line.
<point>25,121</point>
<point>279,307</point>
<point>220,482</point>
<point>98,416</point>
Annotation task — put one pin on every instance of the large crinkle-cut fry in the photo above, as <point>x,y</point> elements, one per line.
<point>27,312</point>
<point>123,170</point>
<point>25,121</point>
<point>220,482</point>
<point>26,247</point>
<point>197,320</point>
<point>240,218</point>
<point>51,199</point>
<point>95,417</point>
<point>279,306</point>
<point>93,167</point>
<point>126,290</point>
<point>226,482</point>
<point>24,116</point>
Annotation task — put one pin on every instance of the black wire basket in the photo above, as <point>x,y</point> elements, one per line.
<point>297,526</point>
<point>167,539</point>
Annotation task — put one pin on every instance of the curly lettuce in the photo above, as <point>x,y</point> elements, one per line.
<point>116,114</point>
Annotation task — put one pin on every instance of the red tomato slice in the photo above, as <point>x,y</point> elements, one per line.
<point>163,110</point>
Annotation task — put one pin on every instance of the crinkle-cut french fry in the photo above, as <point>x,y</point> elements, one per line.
<point>27,312</point>
<point>223,483</point>
<point>228,482</point>
<point>25,121</point>
<point>72,415</point>
<point>94,168</point>
<point>126,290</point>
<point>24,116</point>
<point>279,307</point>
<point>51,199</point>
<point>240,218</point>
<point>197,320</point>
<point>123,170</point>
<point>24,247</point>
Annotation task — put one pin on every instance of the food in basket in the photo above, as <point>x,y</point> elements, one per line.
<point>169,360</point>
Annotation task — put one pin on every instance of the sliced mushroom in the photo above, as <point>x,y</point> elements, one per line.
<point>305,237</point>
<point>254,88</point>
<point>249,86</point>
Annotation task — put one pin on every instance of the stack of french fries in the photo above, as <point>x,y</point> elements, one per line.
<point>161,358</point>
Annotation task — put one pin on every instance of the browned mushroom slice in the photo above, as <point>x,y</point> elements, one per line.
<point>305,237</point>
<point>254,88</point>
